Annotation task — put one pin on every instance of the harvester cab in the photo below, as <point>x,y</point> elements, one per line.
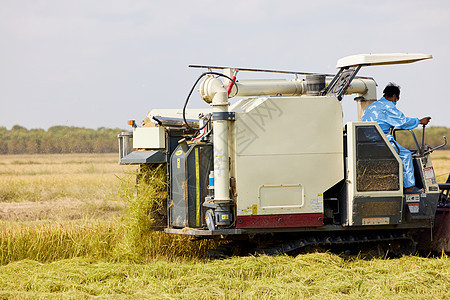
<point>248,172</point>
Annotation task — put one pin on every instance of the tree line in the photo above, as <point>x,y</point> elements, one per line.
<point>58,139</point>
<point>68,139</point>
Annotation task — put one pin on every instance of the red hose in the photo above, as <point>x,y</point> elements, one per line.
<point>230,85</point>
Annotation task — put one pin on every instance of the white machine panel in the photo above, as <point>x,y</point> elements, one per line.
<point>282,158</point>
<point>289,196</point>
<point>149,138</point>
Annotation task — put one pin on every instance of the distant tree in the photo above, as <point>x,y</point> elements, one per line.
<point>3,147</point>
<point>58,139</point>
<point>17,146</point>
<point>18,127</point>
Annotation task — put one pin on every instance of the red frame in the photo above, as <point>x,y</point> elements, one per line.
<point>279,221</point>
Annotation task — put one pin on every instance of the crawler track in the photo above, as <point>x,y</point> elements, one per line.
<point>381,245</point>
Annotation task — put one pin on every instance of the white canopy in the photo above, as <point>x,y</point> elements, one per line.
<point>380,59</point>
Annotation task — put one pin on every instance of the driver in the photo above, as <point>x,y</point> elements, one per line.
<point>387,115</point>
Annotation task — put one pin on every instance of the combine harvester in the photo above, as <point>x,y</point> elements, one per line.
<point>277,171</point>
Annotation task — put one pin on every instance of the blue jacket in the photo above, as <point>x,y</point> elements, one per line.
<point>387,115</point>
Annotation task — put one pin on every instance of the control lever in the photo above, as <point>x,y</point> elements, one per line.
<point>422,149</point>
<point>438,147</point>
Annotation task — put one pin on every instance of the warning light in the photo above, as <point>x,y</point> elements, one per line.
<point>132,123</point>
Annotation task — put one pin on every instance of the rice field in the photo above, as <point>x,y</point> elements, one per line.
<point>441,164</point>
<point>72,226</point>
<point>311,276</point>
<point>87,177</point>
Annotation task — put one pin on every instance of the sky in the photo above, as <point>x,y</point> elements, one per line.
<point>100,63</point>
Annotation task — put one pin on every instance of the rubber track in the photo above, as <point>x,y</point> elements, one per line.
<point>294,245</point>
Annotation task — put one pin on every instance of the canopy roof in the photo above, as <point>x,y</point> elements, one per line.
<point>381,59</point>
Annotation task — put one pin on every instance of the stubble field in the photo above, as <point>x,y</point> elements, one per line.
<point>71,226</point>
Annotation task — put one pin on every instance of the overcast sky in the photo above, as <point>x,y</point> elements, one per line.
<point>99,63</point>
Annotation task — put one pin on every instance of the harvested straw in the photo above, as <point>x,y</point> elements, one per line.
<point>377,175</point>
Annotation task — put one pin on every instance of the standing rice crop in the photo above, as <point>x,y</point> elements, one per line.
<point>146,216</point>
<point>49,241</point>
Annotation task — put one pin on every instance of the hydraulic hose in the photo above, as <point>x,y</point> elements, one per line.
<point>192,90</point>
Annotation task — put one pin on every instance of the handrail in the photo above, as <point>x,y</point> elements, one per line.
<point>421,150</point>
<point>393,130</point>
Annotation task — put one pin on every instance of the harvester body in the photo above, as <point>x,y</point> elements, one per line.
<point>281,163</point>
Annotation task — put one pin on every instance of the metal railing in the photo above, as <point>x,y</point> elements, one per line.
<point>125,144</point>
